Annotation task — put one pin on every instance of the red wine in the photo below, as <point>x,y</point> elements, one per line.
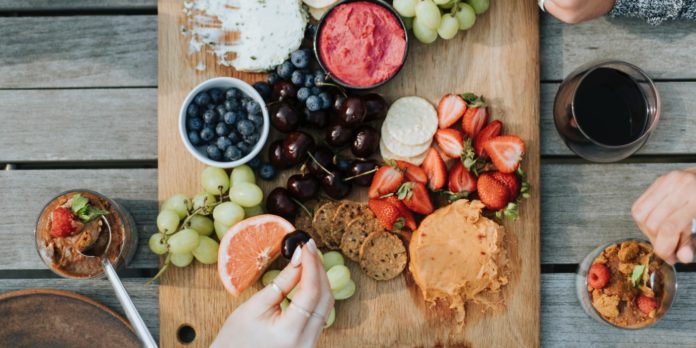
<point>610,107</point>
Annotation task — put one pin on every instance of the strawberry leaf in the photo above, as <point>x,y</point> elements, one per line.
<point>511,211</point>
<point>405,191</point>
<point>399,224</point>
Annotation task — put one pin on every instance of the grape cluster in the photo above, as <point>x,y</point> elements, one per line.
<point>185,225</point>
<point>444,18</point>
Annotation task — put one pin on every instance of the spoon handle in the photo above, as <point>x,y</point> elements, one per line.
<point>131,312</point>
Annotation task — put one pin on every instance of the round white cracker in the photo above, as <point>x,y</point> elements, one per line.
<point>386,154</point>
<point>411,120</point>
<point>400,149</point>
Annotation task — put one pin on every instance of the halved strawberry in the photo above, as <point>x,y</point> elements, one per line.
<point>476,115</point>
<point>450,110</point>
<point>646,304</point>
<point>506,152</point>
<point>461,180</point>
<point>63,222</point>
<point>450,141</point>
<point>412,171</point>
<point>492,193</point>
<point>387,179</point>
<point>386,213</point>
<point>492,130</point>
<point>415,196</point>
<point>409,220</point>
<point>435,169</point>
<point>511,181</point>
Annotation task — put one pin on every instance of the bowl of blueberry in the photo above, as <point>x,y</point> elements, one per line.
<point>224,122</point>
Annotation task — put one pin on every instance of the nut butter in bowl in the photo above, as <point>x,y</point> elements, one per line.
<point>70,226</point>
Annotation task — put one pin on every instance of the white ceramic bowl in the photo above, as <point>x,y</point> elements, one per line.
<point>223,83</point>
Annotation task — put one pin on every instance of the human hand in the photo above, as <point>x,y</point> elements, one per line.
<point>259,322</point>
<point>576,11</point>
<point>665,212</point>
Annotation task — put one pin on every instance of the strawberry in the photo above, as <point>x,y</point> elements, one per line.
<point>415,196</point>
<point>598,276</point>
<point>460,179</point>
<point>450,141</point>
<point>412,172</point>
<point>492,130</point>
<point>387,179</point>
<point>476,115</point>
<point>450,110</point>
<point>646,304</point>
<point>506,152</point>
<point>63,223</point>
<point>409,220</point>
<point>386,213</point>
<point>435,169</point>
<point>493,193</point>
<point>511,181</point>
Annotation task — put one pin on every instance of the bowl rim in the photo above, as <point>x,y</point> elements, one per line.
<point>224,82</point>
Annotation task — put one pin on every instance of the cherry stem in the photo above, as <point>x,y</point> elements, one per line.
<point>361,174</point>
<point>302,206</point>
<point>319,164</point>
<point>329,84</point>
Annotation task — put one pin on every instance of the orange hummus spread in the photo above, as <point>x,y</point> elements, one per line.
<point>457,255</point>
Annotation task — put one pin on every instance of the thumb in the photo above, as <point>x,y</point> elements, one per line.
<point>685,250</point>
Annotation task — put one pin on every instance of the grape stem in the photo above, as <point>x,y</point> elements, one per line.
<point>319,164</point>
<point>164,268</point>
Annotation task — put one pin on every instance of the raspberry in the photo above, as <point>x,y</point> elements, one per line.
<point>63,222</point>
<point>598,276</point>
<point>646,304</point>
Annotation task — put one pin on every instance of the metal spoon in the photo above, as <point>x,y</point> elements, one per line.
<point>99,249</point>
<point>651,281</point>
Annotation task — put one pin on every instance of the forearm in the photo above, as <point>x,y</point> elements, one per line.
<point>655,11</point>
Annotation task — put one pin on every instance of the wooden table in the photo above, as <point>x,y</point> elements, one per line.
<point>78,90</point>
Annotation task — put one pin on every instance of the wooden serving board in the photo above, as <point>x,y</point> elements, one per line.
<point>498,58</point>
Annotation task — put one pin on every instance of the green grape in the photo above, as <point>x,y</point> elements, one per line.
<point>339,276</point>
<point>428,14</point>
<point>480,6</point>
<point>181,260</point>
<point>228,213</point>
<point>206,201</point>
<point>269,276</point>
<point>215,181</point>
<point>284,304</point>
<point>220,229</point>
<point>243,173</point>
<point>333,258</point>
<point>253,211</point>
<point>465,16</point>
<point>423,33</point>
<point>246,194</point>
<point>157,244</point>
<point>448,5</point>
<point>408,22</point>
<point>331,319</point>
<point>292,293</point>
<point>202,224</point>
<point>439,3</point>
<point>184,241</point>
<point>449,26</point>
<point>345,292</point>
<point>167,221</point>
<point>207,251</point>
<point>180,204</point>
<point>406,8</point>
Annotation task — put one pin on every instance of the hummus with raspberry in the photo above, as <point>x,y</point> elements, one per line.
<point>458,255</point>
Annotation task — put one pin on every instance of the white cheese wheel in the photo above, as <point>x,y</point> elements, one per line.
<point>319,3</point>
<point>400,149</point>
<point>411,120</point>
<point>386,154</point>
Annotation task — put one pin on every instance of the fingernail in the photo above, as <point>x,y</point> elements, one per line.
<point>296,257</point>
<point>312,246</point>
<point>685,254</point>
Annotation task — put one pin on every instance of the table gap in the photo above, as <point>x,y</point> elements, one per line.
<point>81,12</point>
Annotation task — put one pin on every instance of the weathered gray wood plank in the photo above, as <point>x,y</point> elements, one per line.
<point>78,125</point>
<point>94,51</point>
<point>145,297</point>
<point>24,193</point>
<point>665,51</point>
<point>44,5</point>
<point>674,133</point>
<point>565,324</point>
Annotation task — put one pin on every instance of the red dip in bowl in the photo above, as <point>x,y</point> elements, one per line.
<point>361,44</point>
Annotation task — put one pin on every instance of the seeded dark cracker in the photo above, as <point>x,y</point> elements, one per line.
<point>323,223</point>
<point>345,213</point>
<point>383,256</point>
<point>303,222</point>
<point>355,234</point>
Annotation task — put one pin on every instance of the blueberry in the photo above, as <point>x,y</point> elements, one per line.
<point>267,171</point>
<point>216,95</point>
<point>272,78</point>
<point>300,59</point>
<point>257,120</point>
<point>233,104</point>
<point>207,133</point>
<point>209,106</point>
<point>319,77</point>
<point>234,137</point>
<point>194,123</point>
<point>194,138</point>
<point>264,89</point>
<point>244,102</point>
<point>222,129</point>
<point>298,78</point>
<point>233,93</point>
<point>223,143</point>
<point>343,164</point>
<point>202,98</point>
<point>214,153</point>
<point>253,107</point>
<point>316,91</point>
<point>230,117</point>
<point>192,110</point>
<point>313,103</point>
<point>210,116</point>
<point>221,110</point>
<point>255,162</point>
<point>326,100</point>
<point>245,127</point>
<point>252,139</point>
<point>285,69</point>
<point>244,148</point>
<point>303,93</point>
<point>232,153</point>
<point>309,80</point>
